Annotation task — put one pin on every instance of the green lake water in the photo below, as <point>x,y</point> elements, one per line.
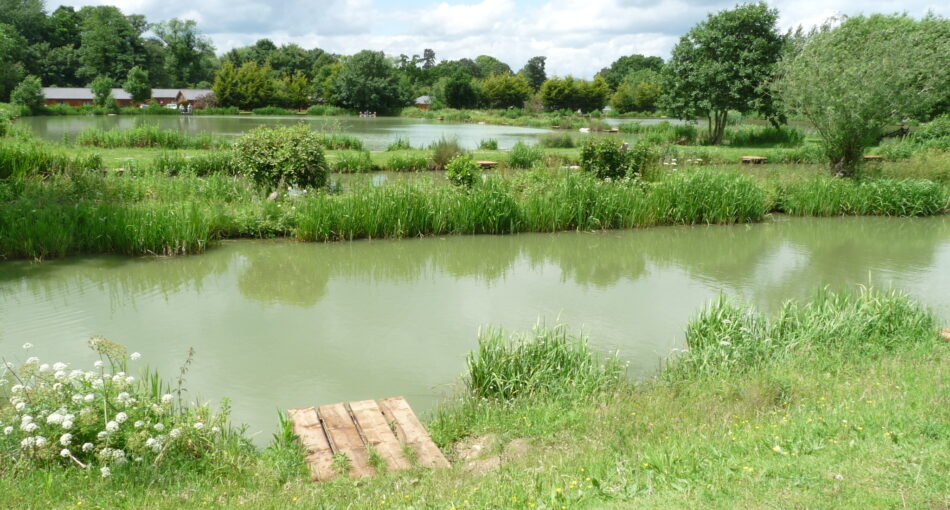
<point>376,133</point>
<point>278,324</point>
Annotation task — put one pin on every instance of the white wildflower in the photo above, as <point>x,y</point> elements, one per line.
<point>16,388</point>
<point>216,429</point>
<point>158,427</point>
<point>98,364</point>
<point>87,447</point>
<point>138,424</point>
<point>60,375</point>
<point>175,433</point>
<point>44,367</point>
<point>29,427</point>
<point>199,425</point>
<point>65,439</point>
<point>28,345</point>
<point>106,472</point>
<point>57,386</point>
<point>40,441</point>
<point>32,360</point>
<point>59,366</point>
<point>724,343</point>
<point>67,424</point>
<point>101,435</point>
<point>135,356</point>
<point>122,397</point>
<point>166,398</point>
<point>129,380</point>
<point>112,426</point>
<point>7,431</point>
<point>26,419</point>
<point>97,384</point>
<point>64,453</point>
<point>27,442</point>
<point>55,418</point>
<point>121,417</point>
<point>89,397</point>
<point>19,406</point>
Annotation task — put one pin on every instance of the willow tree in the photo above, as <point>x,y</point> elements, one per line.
<point>724,63</point>
<point>854,80</point>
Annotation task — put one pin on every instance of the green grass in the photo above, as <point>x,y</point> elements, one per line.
<point>273,110</point>
<point>149,135</point>
<point>827,196</point>
<point>848,410</point>
<point>218,110</point>
<point>353,162</point>
<point>29,158</point>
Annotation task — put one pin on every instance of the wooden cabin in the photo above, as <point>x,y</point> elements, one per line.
<point>80,96</point>
<point>424,102</point>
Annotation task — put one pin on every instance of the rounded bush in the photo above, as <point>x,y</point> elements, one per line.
<point>462,171</point>
<point>606,159</point>
<point>292,154</point>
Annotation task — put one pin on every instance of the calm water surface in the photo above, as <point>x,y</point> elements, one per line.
<point>282,324</point>
<point>376,133</point>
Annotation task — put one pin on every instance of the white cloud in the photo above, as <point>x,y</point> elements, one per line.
<point>579,37</point>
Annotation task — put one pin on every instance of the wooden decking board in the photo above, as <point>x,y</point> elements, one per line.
<point>415,434</point>
<point>342,431</point>
<point>376,432</point>
<point>319,456</point>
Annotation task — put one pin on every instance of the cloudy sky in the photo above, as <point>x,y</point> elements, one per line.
<point>579,37</point>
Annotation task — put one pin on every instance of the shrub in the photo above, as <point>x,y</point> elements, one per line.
<point>557,141</point>
<point>935,129</point>
<point>489,144</point>
<point>462,171</point>
<point>28,94</point>
<point>215,162</point>
<point>407,162</point>
<point>399,144</point>
<point>605,158</point>
<point>339,141</point>
<point>752,136</point>
<point>443,151</point>
<point>217,110</point>
<point>354,163</point>
<point>523,155</point>
<point>321,109</point>
<point>104,418</point>
<point>285,154</point>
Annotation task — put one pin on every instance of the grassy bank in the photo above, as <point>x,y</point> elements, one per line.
<point>838,401</point>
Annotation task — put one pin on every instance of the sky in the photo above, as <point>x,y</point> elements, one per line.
<point>578,37</point>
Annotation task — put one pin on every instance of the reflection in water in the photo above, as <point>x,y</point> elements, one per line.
<point>280,324</point>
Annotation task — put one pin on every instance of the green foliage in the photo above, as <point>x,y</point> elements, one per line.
<point>210,163</point>
<point>726,338</point>
<point>488,144</point>
<point>338,141</point>
<point>606,159</point>
<point>148,135</point>
<point>573,94</point>
<point>29,95</point>
<point>322,109</point>
<point>137,85</point>
<point>109,43</point>
<point>443,151</point>
<point>557,141</point>
<point>25,159</point>
<point>724,63</point>
<point>753,136</point>
<point>523,155</point>
<point>462,171</point>
<point>102,92</point>
<point>272,110</point>
<point>294,91</point>
<point>254,86</point>
<point>505,90</point>
<point>662,132</point>
<point>460,92</point>
<point>225,86</point>
<point>890,197</point>
<point>218,110</point>
<point>408,162</point>
<point>290,155</point>
<point>533,72</point>
<point>545,364</point>
<point>367,81</point>
<point>902,66</point>
<point>621,68</point>
<point>399,144</point>
<point>936,130</point>
<point>188,56</point>
<point>354,163</point>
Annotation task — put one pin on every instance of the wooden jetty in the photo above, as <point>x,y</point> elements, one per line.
<point>386,428</point>
<point>754,160</point>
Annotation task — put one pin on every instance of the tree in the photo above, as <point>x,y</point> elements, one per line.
<point>63,27</point>
<point>294,91</point>
<point>460,92</point>
<point>102,91</point>
<point>11,52</point>
<point>253,86</point>
<point>225,85</point>
<point>26,16</point>
<point>639,91</point>
<point>189,56</point>
<point>29,94</point>
<point>533,71</point>
<point>110,43</point>
<point>136,84</point>
<point>854,80</point>
<point>368,81</point>
<point>506,90</point>
<point>645,95</point>
<point>623,66</point>
<point>428,59</point>
<point>573,94</point>
<point>724,63</point>
<point>489,66</point>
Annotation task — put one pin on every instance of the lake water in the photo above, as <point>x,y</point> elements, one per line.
<point>278,324</point>
<point>376,133</point>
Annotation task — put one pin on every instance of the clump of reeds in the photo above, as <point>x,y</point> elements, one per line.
<point>149,135</point>
<point>523,155</point>
<point>407,162</point>
<point>828,196</point>
<point>353,162</point>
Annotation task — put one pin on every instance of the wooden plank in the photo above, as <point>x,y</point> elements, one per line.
<point>346,438</point>
<point>319,456</point>
<point>412,432</point>
<point>376,432</point>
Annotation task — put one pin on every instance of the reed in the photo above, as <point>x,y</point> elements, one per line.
<point>354,162</point>
<point>523,155</point>
<point>218,110</point>
<point>827,196</point>
<point>757,136</point>
<point>210,163</point>
<point>272,110</point>
<point>339,141</point>
<point>149,135</point>
<point>407,162</point>
<point>30,158</point>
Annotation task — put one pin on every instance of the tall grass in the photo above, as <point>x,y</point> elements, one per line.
<point>213,162</point>
<point>273,110</point>
<point>218,110</point>
<point>662,132</point>
<point>320,109</point>
<point>353,162</point>
<point>755,136</point>
<point>523,155</point>
<point>399,144</point>
<point>339,141</point>
<point>149,135</point>
<point>729,338</point>
<point>444,150</point>
<point>547,363</point>
<point>407,162</point>
<point>557,141</point>
<point>31,158</point>
<point>827,196</point>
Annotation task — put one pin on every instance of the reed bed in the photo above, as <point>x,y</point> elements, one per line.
<point>30,158</point>
<point>147,136</point>
<point>827,196</point>
<point>354,162</point>
<point>210,163</point>
<point>273,110</point>
<point>407,162</point>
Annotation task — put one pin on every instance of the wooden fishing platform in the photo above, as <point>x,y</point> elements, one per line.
<point>386,426</point>
<point>754,160</point>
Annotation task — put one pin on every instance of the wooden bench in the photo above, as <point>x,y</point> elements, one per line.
<point>487,164</point>
<point>754,160</point>
<point>345,436</point>
<point>873,157</point>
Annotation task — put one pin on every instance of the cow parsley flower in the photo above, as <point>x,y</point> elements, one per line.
<point>58,366</point>
<point>44,367</point>
<point>138,424</point>
<point>7,431</point>
<point>98,364</point>
<point>199,425</point>
<point>67,424</point>
<point>112,426</point>
<point>87,447</point>
<point>19,406</point>
<point>121,417</point>
<point>158,427</point>
<point>105,471</point>
<point>55,418</point>
<point>40,441</point>
<point>175,433</point>
<point>135,356</point>
<point>166,398</point>
<point>65,439</point>
<point>64,453</point>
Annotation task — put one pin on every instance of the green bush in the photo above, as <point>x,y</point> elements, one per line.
<point>217,110</point>
<point>407,162</point>
<point>272,110</point>
<point>214,162</point>
<point>285,154</point>
<point>443,151</point>
<point>462,171</point>
<point>605,158</point>
<point>523,155</point>
<point>28,94</point>
<point>557,141</point>
<point>354,163</point>
<point>488,144</point>
<point>321,109</point>
<point>339,141</point>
